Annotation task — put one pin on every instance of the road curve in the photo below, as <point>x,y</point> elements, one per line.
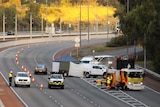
<point>77,92</point>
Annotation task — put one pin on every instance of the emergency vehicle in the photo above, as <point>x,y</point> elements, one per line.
<point>126,76</point>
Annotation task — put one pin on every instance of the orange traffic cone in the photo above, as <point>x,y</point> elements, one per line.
<point>33,80</point>
<point>41,86</point>
<point>108,87</point>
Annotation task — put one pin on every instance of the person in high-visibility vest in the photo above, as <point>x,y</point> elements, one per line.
<point>109,79</point>
<point>10,78</point>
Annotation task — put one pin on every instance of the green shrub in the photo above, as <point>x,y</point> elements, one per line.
<point>117,41</point>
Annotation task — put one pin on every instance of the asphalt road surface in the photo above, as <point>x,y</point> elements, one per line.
<point>78,92</point>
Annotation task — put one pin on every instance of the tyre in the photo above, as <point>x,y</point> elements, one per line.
<point>45,73</point>
<point>15,84</point>
<point>87,75</point>
<point>65,74</point>
<point>104,75</point>
<point>49,86</point>
<point>35,72</point>
<point>62,87</point>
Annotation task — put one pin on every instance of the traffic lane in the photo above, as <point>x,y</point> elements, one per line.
<point>147,96</point>
<point>43,79</point>
<point>32,96</point>
<point>152,83</point>
<point>39,58</point>
<point>93,94</point>
<point>150,95</point>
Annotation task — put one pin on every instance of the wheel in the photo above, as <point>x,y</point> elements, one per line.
<point>87,75</point>
<point>46,73</point>
<point>15,84</point>
<point>35,72</point>
<point>49,86</point>
<point>104,75</point>
<point>62,87</point>
<point>28,85</point>
<point>65,74</point>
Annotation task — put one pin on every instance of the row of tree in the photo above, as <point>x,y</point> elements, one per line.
<point>141,22</point>
<point>54,11</point>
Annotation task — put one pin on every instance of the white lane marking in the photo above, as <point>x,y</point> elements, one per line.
<point>118,94</point>
<point>152,90</point>
<point>15,91</point>
<point>1,103</point>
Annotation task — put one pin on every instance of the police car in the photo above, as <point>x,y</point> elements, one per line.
<point>56,80</point>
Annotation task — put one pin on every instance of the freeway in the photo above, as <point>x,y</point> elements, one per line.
<point>78,91</point>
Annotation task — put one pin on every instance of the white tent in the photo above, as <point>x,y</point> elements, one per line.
<point>76,69</point>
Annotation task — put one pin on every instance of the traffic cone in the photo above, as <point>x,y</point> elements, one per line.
<point>33,80</point>
<point>108,87</point>
<point>41,86</point>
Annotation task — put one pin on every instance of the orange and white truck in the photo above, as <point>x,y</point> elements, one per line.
<point>126,76</point>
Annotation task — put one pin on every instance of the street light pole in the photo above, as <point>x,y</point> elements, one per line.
<point>88,22</point>
<point>107,20</point>
<point>47,15</point>
<point>127,12</point>
<point>16,26</point>
<point>80,24</point>
<point>4,23</point>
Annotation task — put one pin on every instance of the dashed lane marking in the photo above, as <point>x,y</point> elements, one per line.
<point>118,94</point>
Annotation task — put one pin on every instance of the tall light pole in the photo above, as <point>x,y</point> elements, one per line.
<point>80,24</point>
<point>46,15</point>
<point>107,20</point>
<point>4,22</point>
<point>127,12</point>
<point>16,26</point>
<point>31,25</point>
<point>88,22</point>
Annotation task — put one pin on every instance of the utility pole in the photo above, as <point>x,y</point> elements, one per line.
<point>80,24</point>
<point>16,26</point>
<point>47,15</point>
<point>107,20</point>
<point>4,23</point>
<point>31,26</point>
<point>42,26</point>
<point>88,22</point>
<point>127,12</point>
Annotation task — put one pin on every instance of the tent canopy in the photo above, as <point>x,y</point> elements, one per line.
<point>66,58</point>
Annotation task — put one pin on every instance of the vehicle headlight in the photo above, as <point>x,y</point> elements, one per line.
<point>129,83</point>
<point>141,83</point>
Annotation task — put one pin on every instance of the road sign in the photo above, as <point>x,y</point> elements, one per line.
<point>77,40</point>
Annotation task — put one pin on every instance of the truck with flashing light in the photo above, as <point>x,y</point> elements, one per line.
<point>126,76</point>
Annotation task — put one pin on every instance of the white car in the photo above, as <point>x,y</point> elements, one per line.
<point>58,31</point>
<point>22,78</point>
<point>56,80</point>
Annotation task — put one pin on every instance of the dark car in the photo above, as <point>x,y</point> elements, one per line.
<point>10,33</point>
<point>40,68</point>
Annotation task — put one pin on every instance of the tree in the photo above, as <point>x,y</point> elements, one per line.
<point>142,23</point>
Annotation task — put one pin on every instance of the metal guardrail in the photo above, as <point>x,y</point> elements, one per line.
<point>149,71</point>
<point>25,36</point>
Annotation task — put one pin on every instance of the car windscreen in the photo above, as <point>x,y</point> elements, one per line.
<point>22,75</point>
<point>41,66</point>
<point>56,76</point>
